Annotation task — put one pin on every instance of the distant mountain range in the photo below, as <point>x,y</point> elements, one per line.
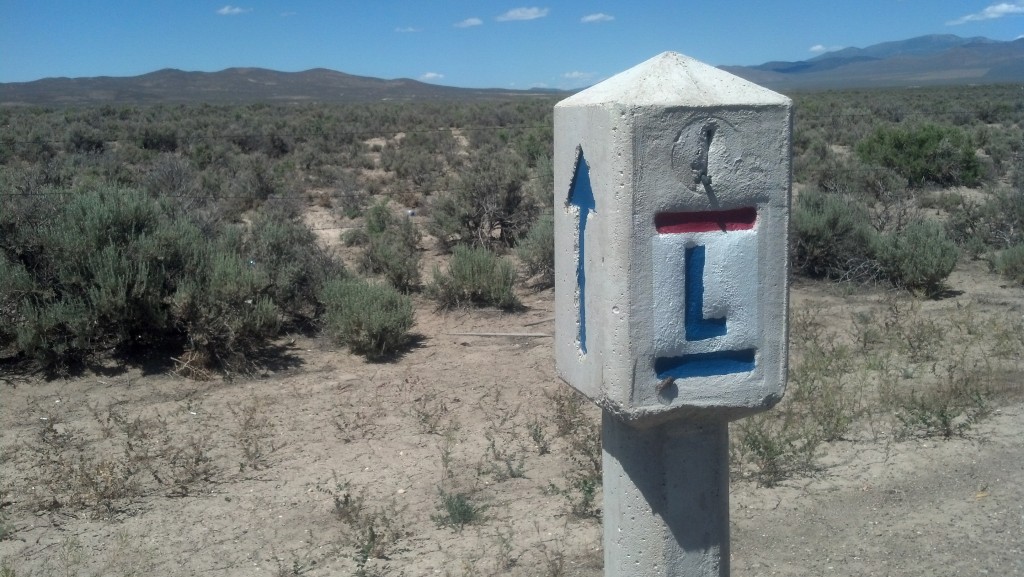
<point>923,61</point>
<point>235,85</point>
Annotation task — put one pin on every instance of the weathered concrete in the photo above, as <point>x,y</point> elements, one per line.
<point>672,193</point>
<point>666,499</point>
<point>672,184</point>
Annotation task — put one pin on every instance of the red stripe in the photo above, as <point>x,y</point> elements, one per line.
<point>707,221</point>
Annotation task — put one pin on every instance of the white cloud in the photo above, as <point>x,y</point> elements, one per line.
<point>469,22</point>
<point>821,48</point>
<point>230,10</point>
<point>523,14</point>
<point>599,17</point>
<point>990,13</point>
<point>577,75</point>
<point>429,76</point>
<point>407,29</point>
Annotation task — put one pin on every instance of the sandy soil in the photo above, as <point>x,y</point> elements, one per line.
<point>129,472</point>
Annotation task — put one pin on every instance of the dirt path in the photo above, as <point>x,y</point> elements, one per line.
<point>927,507</point>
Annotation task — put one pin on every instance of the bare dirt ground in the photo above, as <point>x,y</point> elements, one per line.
<point>326,464</point>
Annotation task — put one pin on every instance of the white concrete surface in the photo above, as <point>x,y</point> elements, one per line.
<point>666,499</point>
<point>672,135</point>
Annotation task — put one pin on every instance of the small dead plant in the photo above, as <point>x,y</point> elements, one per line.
<point>255,433</point>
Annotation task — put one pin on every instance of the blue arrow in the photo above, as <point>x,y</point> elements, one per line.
<point>581,195</point>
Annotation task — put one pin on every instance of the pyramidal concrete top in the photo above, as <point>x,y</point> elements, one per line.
<point>672,79</point>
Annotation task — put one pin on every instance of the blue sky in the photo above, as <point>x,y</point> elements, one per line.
<point>470,43</point>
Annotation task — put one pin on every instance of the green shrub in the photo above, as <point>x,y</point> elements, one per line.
<point>950,408</point>
<point>475,276</point>
<point>15,285</point>
<point>391,248</point>
<point>968,225</point>
<point>997,222</point>
<point>124,293</point>
<point>490,205</point>
<point>837,174</point>
<point>225,312</point>
<point>379,218</point>
<point>537,250</point>
<point>355,237</point>
<point>295,262</point>
<point>162,138</point>
<point>777,445</point>
<point>111,269</point>
<point>372,320</point>
<point>1010,263</point>
<point>416,162</point>
<point>82,139</point>
<point>56,332</point>
<point>350,199</point>
<point>832,237</point>
<point>394,255</point>
<point>172,175</point>
<point>457,511</point>
<point>919,257</point>
<point>252,184</point>
<point>928,153</point>
<point>94,290</point>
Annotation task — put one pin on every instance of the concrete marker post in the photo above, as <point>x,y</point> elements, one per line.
<point>666,499</point>
<point>672,193</point>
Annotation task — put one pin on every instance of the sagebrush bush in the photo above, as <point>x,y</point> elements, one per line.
<point>394,255</point>
<point>476,276</point>
<point>252,184</point>
<point>93,290</point>
<point>1010,263</point>
<point>296,264</point>
<point>919,257</point>
<point>172,175</point>
<point>83,139</point>
<point>832,237</point>
<point>391,248</point>
<point>997,222</point>
<point>370,319</point>
<point>928,153</point>
<point>537,250</point>
<point>489,206</point>
<point>378,218</point>
<point>159,137</point>
<point>837,174</point>
<point>111,269</point>
<point>15,285</point>
<point>225,312</point>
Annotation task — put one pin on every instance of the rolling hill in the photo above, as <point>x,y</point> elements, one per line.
<point>234,85</point>
<point>923,61</point>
